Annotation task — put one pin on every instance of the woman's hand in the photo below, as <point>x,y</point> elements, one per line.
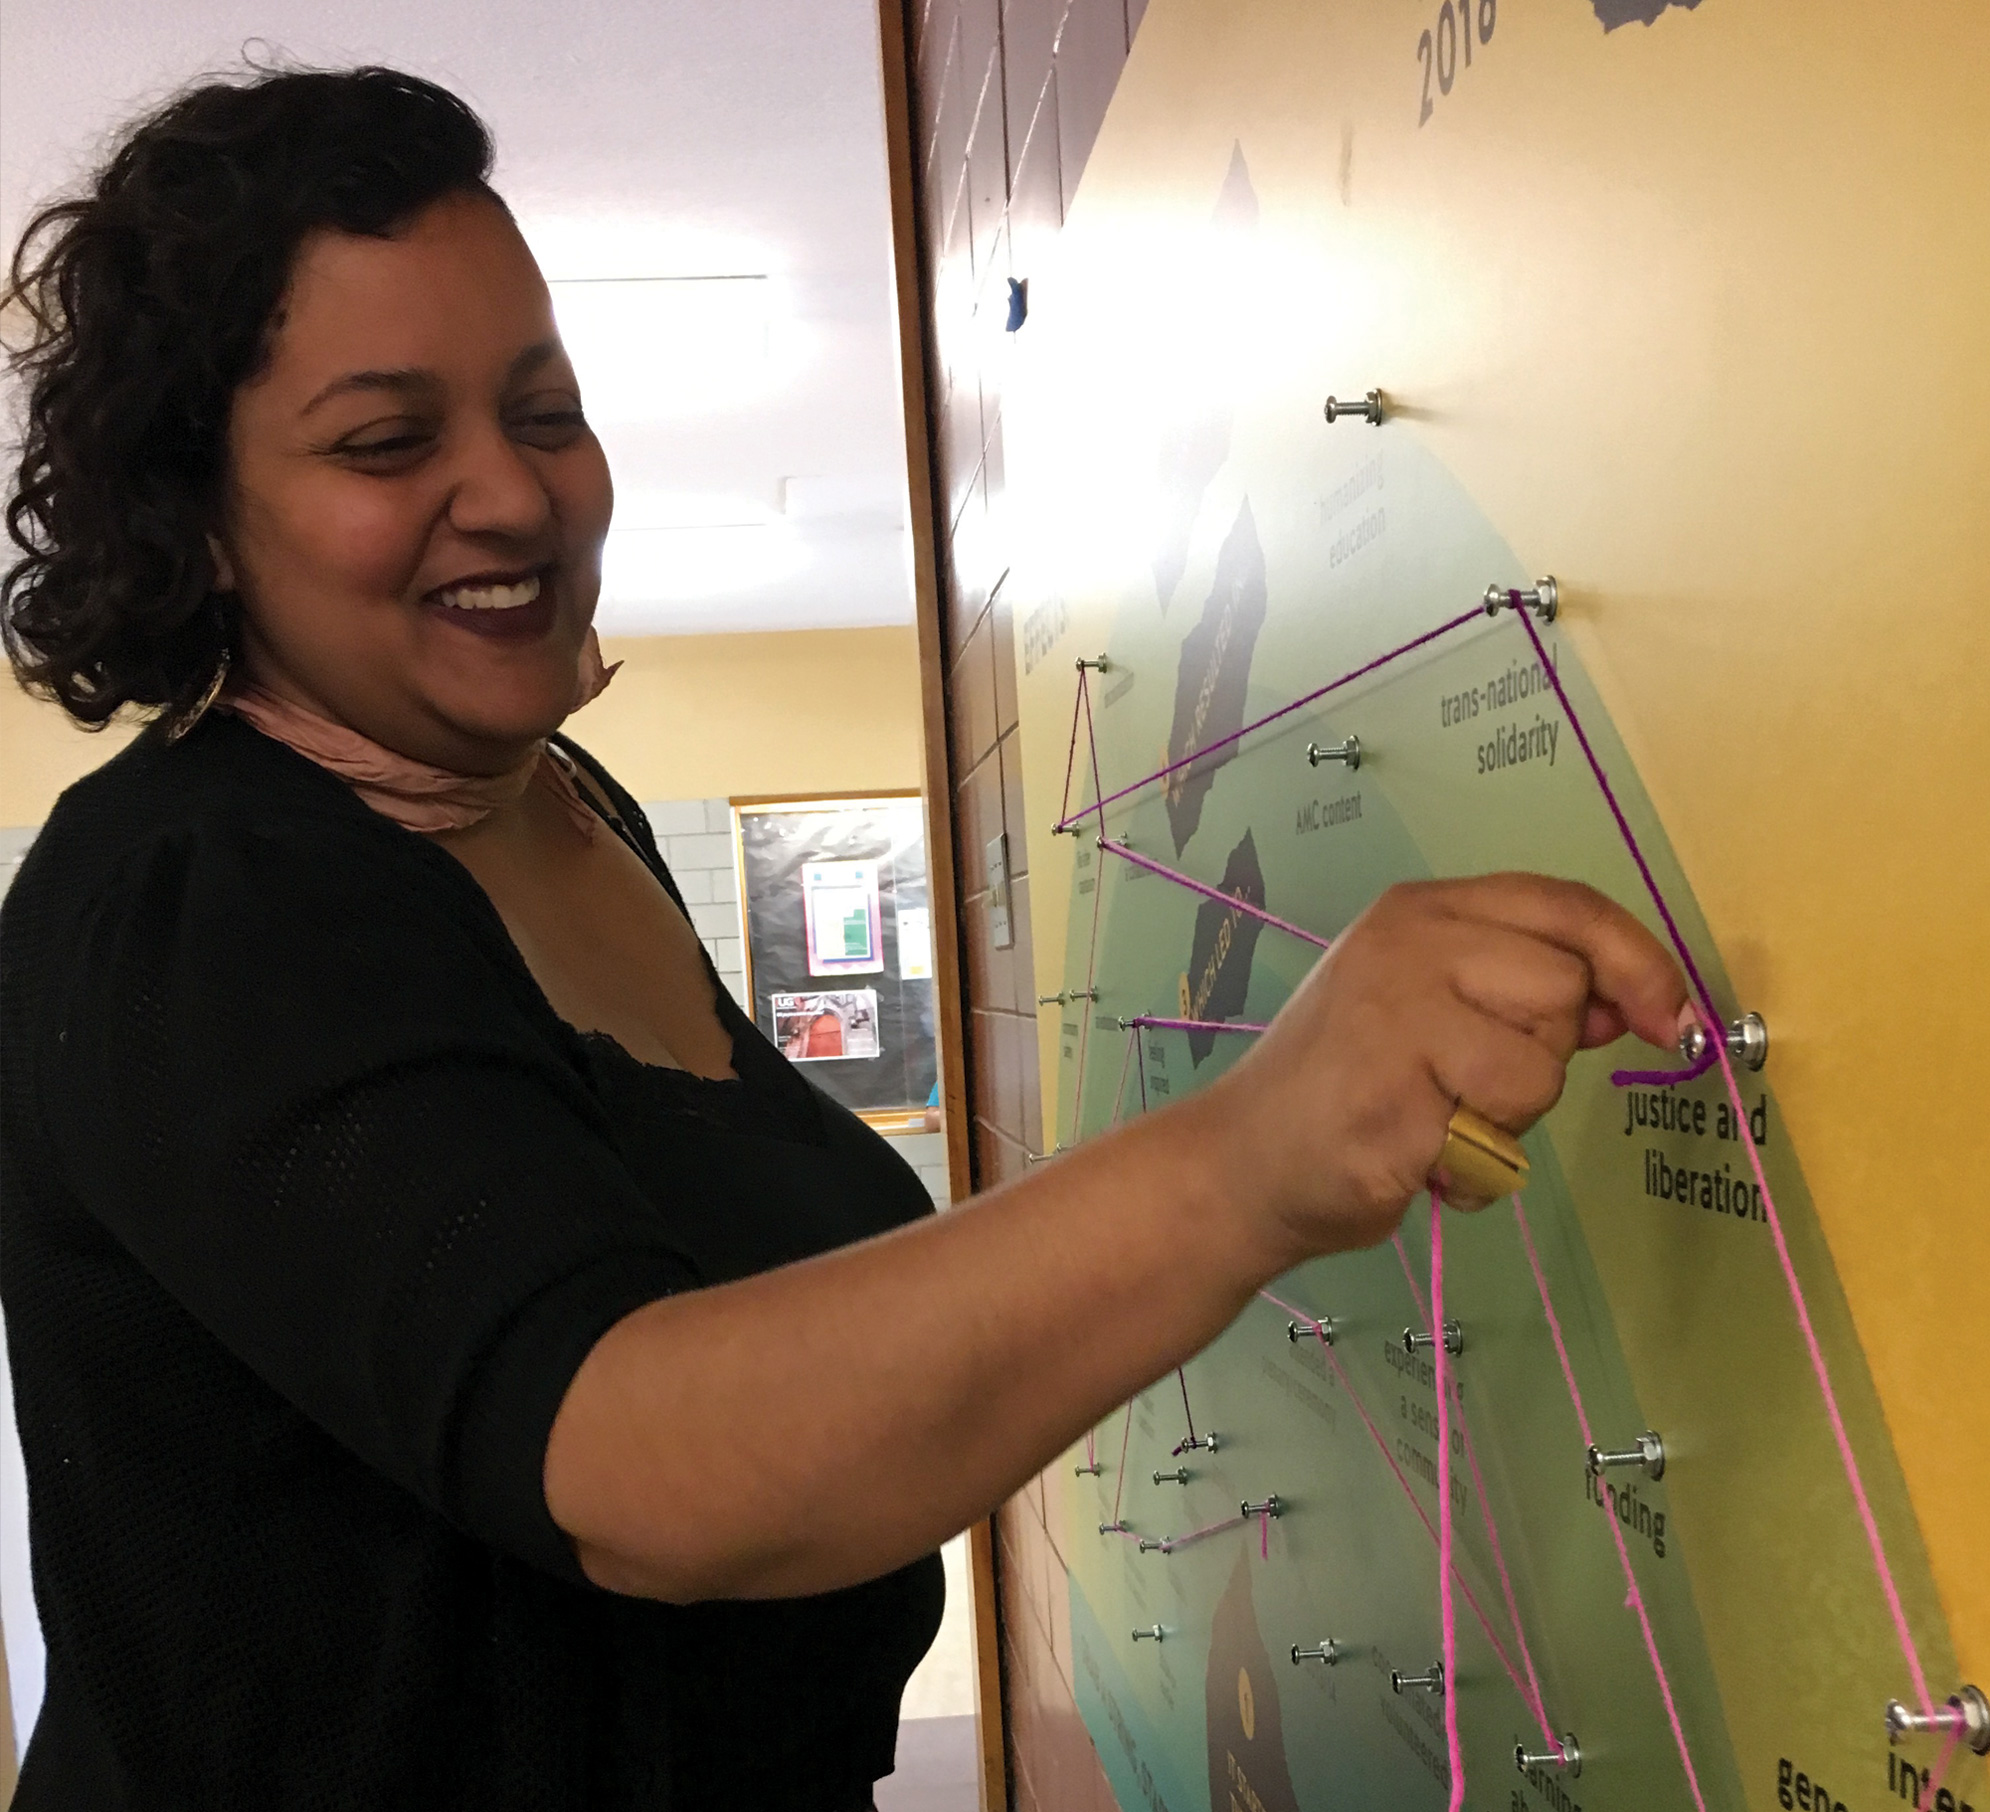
<point>815,1425</point>
<point>1443,993</point>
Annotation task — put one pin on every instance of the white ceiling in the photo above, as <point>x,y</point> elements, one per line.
<point>761,480</point>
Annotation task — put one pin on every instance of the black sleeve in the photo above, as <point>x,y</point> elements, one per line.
<point>300,1086</point>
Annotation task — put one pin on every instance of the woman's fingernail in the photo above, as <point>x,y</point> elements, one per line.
<point>1689,1019</point>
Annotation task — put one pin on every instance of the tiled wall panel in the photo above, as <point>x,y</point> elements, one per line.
<point>1008,99</point>
<point>695,836</point>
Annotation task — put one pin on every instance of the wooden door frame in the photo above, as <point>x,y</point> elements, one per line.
<point>894,71</point>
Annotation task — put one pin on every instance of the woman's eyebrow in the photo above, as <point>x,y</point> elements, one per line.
<point>535,355</point>
<point>408,379</point>
<point>403,382</point>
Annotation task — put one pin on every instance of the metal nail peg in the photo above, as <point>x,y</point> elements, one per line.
<point>1153,1633</point>
<point>1649,1453</point>
<point>1179,1476</point>
<point>1454,1339</point>
<point>1206,1442</point>
<point>1114,1529</point>
<point>1323,1329</point>
<point>1094,1470</point>
<point>1152,1545</point>
<point>1101,665</point>
<point>1348,751</point>
<point>1747,1041</point>
<point>1044,1157</point>
<point>1270,1507</point>
<point>1066,997</point>
<point>1568,1756</point>
<point>1327,1652</point>
<point>1369,409</point>
<point>1544,599</point>
<point>1967,1714</point>
<point>1432,1682</point>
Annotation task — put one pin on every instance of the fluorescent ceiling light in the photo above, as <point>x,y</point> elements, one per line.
<point>659,348</point>
<point>650,507</point>
<point>668,565</point>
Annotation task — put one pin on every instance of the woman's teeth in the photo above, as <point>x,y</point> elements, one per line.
<point>492,597</point>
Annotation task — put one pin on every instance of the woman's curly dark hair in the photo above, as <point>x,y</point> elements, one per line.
<point>148,300</point>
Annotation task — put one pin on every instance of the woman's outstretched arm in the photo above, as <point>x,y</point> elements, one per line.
<point>823,1423</point>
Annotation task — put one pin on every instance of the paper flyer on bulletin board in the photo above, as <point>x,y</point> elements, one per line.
<point>840,910</point>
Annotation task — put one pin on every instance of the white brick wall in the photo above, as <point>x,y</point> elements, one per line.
<point>13,846</point>
<point>695,836</point>
<point>926,1152</point>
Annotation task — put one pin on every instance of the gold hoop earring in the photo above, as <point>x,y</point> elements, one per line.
<point>207,698</point>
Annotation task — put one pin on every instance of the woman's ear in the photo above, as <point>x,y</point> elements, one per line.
<point>224,568</point>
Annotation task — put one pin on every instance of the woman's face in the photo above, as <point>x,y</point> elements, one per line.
<point>416,504</point>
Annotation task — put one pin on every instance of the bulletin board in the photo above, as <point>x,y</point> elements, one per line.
<point>839,946</point>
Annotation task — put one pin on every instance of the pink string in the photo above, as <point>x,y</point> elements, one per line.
<point>1188,1414</point>
<point>1634,1598</point>
<point>1670,1078</point>
<point>1182,1541</point>
<point>1298,704</point>
<point>1092,737</point>
<point>1536,1703</point>
<point>1213,893</point>
<point>1119,1485</point>
<point>1090,1006</point>
<point>1531,1692</point>
<point>1196,1025</point>
<point>1264,1536</point>
<point>1119,1095</point>
<point>1382,1447</point>
<point>1948,1755</point>
<point>1853,1477</point>
<point>1716,1054</point>
<point>1623,824</point>
<point>1839,1432</point>
<point>1447,1607</point>
<point>1409,1276</point>
<point>1071,760</point>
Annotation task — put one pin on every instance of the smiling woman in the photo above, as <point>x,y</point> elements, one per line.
<point>460,1362</point>
<point>395,490</point>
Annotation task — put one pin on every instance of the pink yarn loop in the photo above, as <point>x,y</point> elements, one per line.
<point>1903,1632</point>
<point>1402,1480</point>
<point>1633,1597</point>
<point>1127,853</point>
<point>1447,1608</point>
<point>1715,1055</point>
<point>1069,819</point>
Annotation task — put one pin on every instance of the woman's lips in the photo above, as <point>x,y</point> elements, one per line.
<point>498,611</point>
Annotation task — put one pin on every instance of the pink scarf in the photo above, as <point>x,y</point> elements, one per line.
<point>416,796</point>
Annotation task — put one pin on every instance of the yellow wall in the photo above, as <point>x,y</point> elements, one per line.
<point>41,752</point>
<point>688,717</point>
<point>804,711</point>
<point>1617,284</point>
